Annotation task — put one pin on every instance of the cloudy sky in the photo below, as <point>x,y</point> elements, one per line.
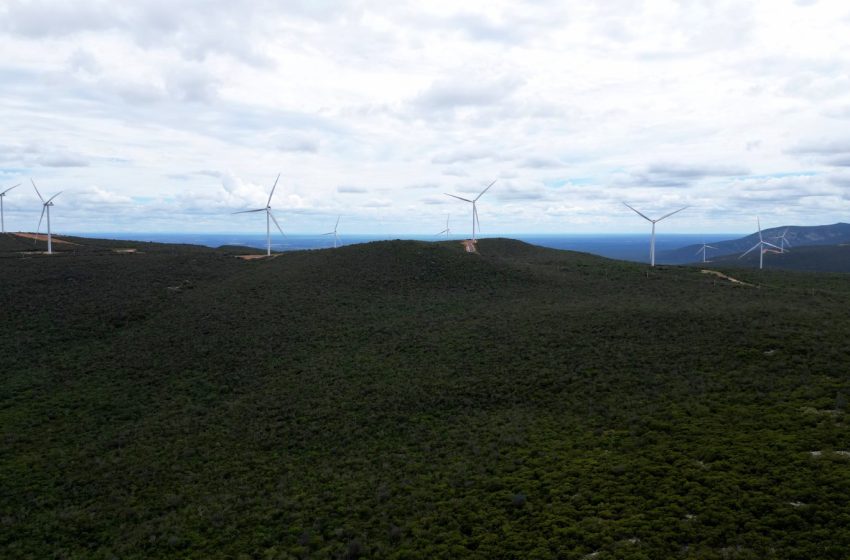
<point>155,115</point>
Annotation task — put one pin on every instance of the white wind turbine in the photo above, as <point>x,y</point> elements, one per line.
<point>474,208</point>
<point>336,237</point>
<point>783,241</point>
<point>447,231</point>
<point>704,249</point>
<point>760,246</point>
<point>269,218</point>
<point>46,204</point>
<point>653,222</point>
<point>2,216</point>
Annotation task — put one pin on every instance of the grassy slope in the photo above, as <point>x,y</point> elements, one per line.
<point>407,399</point>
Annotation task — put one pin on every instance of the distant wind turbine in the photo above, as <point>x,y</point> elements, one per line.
<point>269,218</point>
<point>760,246</point>
<point>474,208</point>
<point>2,217</point>
<point>46,204</point>
<point>447,231</point>
<point>336,237</point>
<point>653,222</point>
<point>704,249</point>
<point>783,241</point>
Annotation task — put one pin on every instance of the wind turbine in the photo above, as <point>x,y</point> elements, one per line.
<point>2,218</point>
<point>652,242</point>
<point>336,237</point>
<point>760,245</point>
<point>474,208</point>
<point>269,218</point>
<point>783,241</point>
<point>447,231</point>
<point>704,250</point>
<point>46,204</point>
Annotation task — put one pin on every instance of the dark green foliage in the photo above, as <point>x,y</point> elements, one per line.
<point>409,400</point>
<point>814,258</point>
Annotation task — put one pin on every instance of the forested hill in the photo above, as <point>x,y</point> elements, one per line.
<point>807,258</point>
<point>834,234</point>
<point>410,400</point>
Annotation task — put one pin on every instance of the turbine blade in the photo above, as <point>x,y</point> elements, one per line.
<point>485,190</point>
<point>758,221</point>
<point>52,197</point>
<point>638,213</point>
<point>337,222</point>
<point>10,188</point>
<point>770,245</point>
<point>38,229</point>
<point>36,190</point>
<point>249,211</point>
<point>475,211</point>
<point>750,249</point>
<point>280,229</point>
<point>269,203</point>
<point>457,197</point>
<point>700,250</point>
<point>671,213</point>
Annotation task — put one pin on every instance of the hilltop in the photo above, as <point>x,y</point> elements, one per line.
<point>406,399</point>
<point>834,234</point>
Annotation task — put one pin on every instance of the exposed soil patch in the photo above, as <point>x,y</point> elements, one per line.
<point>43,237</point>
<point>254,257</point>
<point>725,277</point>
<point>469,245</point>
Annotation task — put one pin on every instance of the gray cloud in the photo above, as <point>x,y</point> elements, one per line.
<point>541,163</point>
<point>62,160</point>
<point>347,189</point>
<point>465,91</point>
<point>39,155</point>
<point>674,175</point>
<point>460,156</point>
<point>303,145</point>
<point>832,152</point>
<point>822,147</point>
<point>455,172</point>
<point>434,200</point>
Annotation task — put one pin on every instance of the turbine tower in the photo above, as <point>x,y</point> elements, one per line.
<point>760,246</point>
<point>2,216</point>
<point>783,241</point>
<point>653,222</point>
<point>46,204</point>
<point>474,208</point>
<point>704,249</point>
<point>336,237</point>
<point>269,218</point>
<point>447,231</point>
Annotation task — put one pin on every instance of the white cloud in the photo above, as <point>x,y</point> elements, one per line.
<point>166,110</point>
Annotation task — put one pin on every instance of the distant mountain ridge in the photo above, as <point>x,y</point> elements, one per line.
<point>798,236</point>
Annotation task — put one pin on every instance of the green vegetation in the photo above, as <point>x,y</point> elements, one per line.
<point>813,258</point>
<point>409,400</point>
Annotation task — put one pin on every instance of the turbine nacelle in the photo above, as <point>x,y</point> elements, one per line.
<point>762,246</point>
<point>653,222</point>
<point>269,218</point>
<point>475,221</point>
<point>45,209</point>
